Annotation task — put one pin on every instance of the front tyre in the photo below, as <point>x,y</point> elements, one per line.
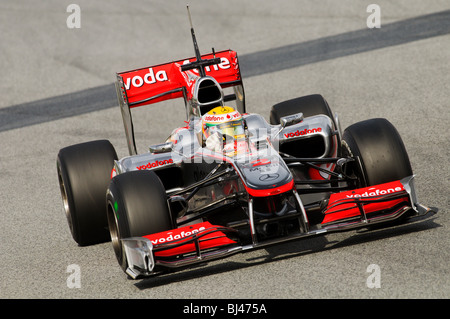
<point>380,149</point>
<point>136,206</point>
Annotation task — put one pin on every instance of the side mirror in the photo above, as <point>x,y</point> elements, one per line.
<point>291,119</point>
<point>161,148</point>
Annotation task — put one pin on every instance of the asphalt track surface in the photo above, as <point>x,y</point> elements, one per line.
<point>57,90</point>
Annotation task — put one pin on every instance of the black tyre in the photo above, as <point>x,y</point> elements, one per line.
<point>84,172</point>
<point>381,151</point>
<point>309,105</point>
<point>136,206</point>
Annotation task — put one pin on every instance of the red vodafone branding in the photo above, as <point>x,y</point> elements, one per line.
<point>376,191</point>
<point>162,82</point>
<point>214,118</point>
<point>303,132</point>
<point>149,78</point>
<point>222,117</point>
<point>223,65</point>
<point>371,191</point>
<point>175,235</point>
<point>152,76</point>
<point>155,164</point>
<point>343,205</point>
<point>214,238</point>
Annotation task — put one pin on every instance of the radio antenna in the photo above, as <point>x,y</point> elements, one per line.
<point>199,64</point>
<point>189,16</point>
<point>194,39</point>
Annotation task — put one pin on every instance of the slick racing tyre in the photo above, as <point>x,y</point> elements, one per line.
<point>136,206</point>
<point>84,172</point>
<point>381,151</point>
<point>309,105</point>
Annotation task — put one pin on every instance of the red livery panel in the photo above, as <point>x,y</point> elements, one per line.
<point>345,204</point>
<point>166,81</point>
<point>207,236</point>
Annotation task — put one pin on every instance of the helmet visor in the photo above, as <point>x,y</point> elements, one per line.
<point>234,129</point>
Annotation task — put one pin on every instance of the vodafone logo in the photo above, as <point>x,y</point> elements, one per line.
<point>149,78</point>
<point>223,65</point>
<point>233,115</point>
<point>213,118</point>
<point>374,191</point>
<point>221,118</point>
<point>303,132</point>
<point>155,164</point>
<point>170,236</point>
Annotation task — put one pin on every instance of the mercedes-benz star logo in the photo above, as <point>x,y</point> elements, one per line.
<point>268,177</point>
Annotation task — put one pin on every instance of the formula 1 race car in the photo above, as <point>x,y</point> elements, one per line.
<point>229,181</point>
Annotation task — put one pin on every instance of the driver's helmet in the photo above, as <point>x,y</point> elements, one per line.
<point>224,120</point>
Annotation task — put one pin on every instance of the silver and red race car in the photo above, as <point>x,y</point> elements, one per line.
<point>229,181</point>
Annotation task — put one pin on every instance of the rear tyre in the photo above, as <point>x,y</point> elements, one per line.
<point>84,171</point>
<point>309,105</point>
<point>136,206</point>
<point>380,149</point>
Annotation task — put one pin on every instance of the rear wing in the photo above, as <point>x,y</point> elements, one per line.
<point>167,81</point>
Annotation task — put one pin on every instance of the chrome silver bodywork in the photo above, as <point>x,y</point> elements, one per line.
<point>187,142</point>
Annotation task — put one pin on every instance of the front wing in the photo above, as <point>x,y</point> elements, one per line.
<point>188,245</point>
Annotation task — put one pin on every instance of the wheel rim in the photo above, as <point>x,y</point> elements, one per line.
<point>65,199</point>
<point>114,232</point>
